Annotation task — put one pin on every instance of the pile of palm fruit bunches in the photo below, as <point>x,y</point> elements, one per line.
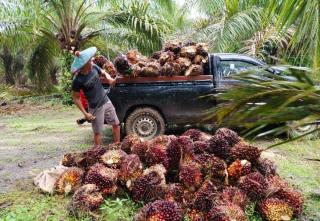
<point>175,59</point>
<point>195,176</point>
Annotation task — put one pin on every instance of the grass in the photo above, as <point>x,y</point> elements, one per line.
<point>51,132</point>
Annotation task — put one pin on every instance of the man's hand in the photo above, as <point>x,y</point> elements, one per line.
<point>112,82</point>
<point>89,116</point>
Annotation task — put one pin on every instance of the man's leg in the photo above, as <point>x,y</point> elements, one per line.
<point>116,133</point>
<point>112,119</point>
<point>97,125</point>
<point>97,139</point>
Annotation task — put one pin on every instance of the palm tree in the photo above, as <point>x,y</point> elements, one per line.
<point>305,17</point>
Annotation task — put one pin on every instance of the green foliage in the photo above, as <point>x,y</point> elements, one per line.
<point>65,78</point>
<point>263,99</point>
<point>118,209</point>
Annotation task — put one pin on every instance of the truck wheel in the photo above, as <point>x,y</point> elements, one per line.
<point>147,123</point>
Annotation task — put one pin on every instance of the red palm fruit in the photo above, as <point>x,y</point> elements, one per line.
<point>245,151</point>
<point>69,181</point>
<point>152,69</point>
<point>103,177</point>
<point>129,141</point>
<point>73,160</point>
<point>174,191</point>
<point>167,56</point>
<point>150,185</point>
<point>200,147</point>
<point>160,210</point>
<point>133,56</point>
<point>114,146</point>
<point>113,158</point>
<point>140,149</point>
<point>188,198</point>
<point>93,155</point>
<point>293,198</point>
<point>237,169</point>
<point>187,148</point>
<point>234,195</point>
<point>156,55</point>
<point>229,135</point>
<point>190,175</point>
<point>175,47</point>
<point>87,198</point>
<point>205,196</point>
<point>194,215</point>
<point>157,153</point>
<point>213,167</point>
<point>226,212</point>
<point>130,169</point>
<point>100,60</point>
<point>273,209</point>
<point>197,135</point>
<point>219,146</point>
<point>122,65</point>
<point>279,188</point>
<point>265,167</point>
<point>174,153</point>
<point>254,185</point>
<point>202,49</point>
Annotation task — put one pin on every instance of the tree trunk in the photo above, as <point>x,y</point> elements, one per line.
<point>7,63</point>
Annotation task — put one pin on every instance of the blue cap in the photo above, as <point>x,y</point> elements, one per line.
<point>83,58</point>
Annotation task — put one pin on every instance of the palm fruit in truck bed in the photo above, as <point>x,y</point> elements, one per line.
<point>194,70</point>
<point>184,63</point>
<point>122,65</point>
<point>69,181</point>
<point>167,56</point>
<point>175,47</point>
<point>152,69</point>
<point>160,210</point>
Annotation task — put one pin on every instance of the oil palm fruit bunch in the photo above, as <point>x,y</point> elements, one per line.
<point>113,158</point>
<point>160,210</point>
<point>122,65</point>
<point>87,198</point>
<point>150,185</point>
<point>226,212</point>
<point>234,195</point>
<point>198,176</point>
<point>69,181</point>
<point>103,177</point>
<point>129,141</point>
<point>237,169</point>
<point>130,169</point>
<point>244,151</point>
<point>273,209</point>
<point>254,185</point>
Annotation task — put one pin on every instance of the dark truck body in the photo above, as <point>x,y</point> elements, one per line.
<point>180,100</point>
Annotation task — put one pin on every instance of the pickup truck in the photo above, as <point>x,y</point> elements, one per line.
<point>147,106</point>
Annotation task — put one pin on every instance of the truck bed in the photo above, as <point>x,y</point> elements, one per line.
<point>128,80</point>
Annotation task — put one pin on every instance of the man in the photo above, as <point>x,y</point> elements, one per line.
<point>100,107</point>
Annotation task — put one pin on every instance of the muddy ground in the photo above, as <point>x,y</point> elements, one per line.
<point>36,139</point>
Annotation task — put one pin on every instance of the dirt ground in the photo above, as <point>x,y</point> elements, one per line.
<point>36,138</point>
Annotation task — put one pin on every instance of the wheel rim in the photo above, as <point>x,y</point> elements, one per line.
<point>145,127</point>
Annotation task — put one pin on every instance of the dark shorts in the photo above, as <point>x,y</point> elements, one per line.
<point>105,113</point>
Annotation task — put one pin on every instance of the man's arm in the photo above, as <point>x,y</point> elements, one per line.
<point>77,101</point>
<point>110,80</point>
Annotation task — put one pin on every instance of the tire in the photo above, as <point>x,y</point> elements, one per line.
<point>298,131</point>
<point>146,122</point>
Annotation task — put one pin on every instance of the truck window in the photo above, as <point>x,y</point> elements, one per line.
<point>228,68</point>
